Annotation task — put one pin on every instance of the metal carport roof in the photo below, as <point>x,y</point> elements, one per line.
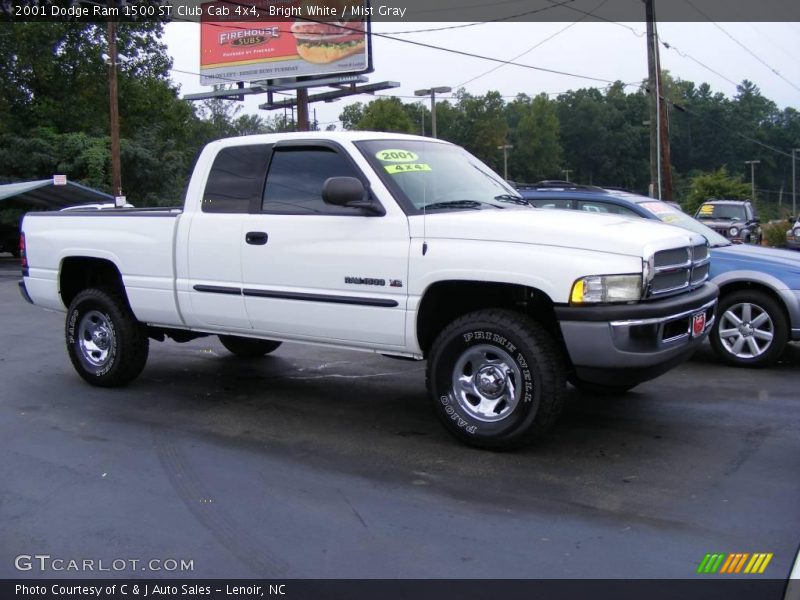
<point>43,195</point>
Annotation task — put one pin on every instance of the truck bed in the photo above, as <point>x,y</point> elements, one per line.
<point>139,241</point>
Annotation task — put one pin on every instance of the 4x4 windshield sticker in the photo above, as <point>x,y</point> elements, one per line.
<point>407,168</point>
<point>396,156</point>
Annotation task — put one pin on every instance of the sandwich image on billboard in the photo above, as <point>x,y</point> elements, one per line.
<point>278,39</point>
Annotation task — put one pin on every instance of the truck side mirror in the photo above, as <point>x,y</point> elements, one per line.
<point>349,192</point>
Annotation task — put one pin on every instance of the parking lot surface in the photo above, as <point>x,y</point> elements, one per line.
<point>322,463</point>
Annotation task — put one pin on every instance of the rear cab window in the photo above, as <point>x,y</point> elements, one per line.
<point>236,179</point>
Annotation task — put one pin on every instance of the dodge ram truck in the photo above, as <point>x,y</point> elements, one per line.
<point>400,245</point>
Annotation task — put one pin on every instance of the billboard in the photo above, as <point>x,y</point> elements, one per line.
<point>283,38</point>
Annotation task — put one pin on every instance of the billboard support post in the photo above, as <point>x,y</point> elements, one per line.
<point>302,109</point>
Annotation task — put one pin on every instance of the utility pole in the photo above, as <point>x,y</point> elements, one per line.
<point>794,183</point>
<point>505,148</point>
<point>660,168</point>
<point>753,164</point>
<point>302,109</point>
<point>432,93</point>
<point>566,173</point>
<point>116,169</point>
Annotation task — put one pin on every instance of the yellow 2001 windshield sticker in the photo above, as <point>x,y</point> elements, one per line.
<point>396,156</point>
<point>407,168</point>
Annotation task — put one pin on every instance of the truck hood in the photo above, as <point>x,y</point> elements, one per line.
<point>613,234</point>
<point>722,223</point>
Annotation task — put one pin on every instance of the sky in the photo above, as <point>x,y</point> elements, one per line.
<point>721,54</point>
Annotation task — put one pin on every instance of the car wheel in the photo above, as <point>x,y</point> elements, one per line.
<point>496,379</point>
<point>107,345</point>
<point>750,330</point>
<point>244,347</point>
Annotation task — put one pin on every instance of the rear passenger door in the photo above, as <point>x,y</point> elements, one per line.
<point>312,270</point>
<point>214,245</point>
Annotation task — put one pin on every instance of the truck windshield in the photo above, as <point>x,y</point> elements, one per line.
<point>434,176</point>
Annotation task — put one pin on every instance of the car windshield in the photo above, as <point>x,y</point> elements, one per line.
<point>434,176</point>
<point>673,216</point>
<point>731,212</point>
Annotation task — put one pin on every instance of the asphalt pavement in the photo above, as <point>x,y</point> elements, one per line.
<point>320,463</point>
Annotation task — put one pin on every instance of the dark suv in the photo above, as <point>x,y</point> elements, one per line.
<point>759,288</point>
<point>735,219</point>
<point>9,238</point>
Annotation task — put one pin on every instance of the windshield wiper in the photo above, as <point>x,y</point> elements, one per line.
<point>473,204</point>
<point>513,199</point>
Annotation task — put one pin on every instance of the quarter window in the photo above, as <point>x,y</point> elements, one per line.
<point>236,179</point>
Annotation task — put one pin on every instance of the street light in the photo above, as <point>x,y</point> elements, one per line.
<point>794,184</point>
<point>432,93</point>
<point>753,164</point>
<point>566,173</point>
<point>505,148</point>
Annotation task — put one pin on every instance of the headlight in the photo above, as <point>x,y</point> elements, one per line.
<point>607,288</point>
<point>797,232</point>
<point>733,231</point>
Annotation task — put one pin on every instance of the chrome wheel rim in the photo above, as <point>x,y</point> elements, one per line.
<point>487,383</point>
<point>746,330</point>
<point>95,338</point>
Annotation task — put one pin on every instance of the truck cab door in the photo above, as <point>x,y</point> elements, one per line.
<point>317,271</point>
<point>211,295</point>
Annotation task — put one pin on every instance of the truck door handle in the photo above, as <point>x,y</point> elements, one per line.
<point>256,238</point>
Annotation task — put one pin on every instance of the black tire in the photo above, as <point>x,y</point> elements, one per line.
<point>244,347</point>
<point>776,324</point>
<point>604,390</point>
<point>508,346</point>
<point>102,320</point>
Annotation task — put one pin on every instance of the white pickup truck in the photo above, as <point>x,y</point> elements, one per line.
<point>400,245</point>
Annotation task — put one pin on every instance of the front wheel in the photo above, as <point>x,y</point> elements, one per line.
<point>750,330</point>
<point>107,345</point>
<point>244,347</point>
<point>496,379</point>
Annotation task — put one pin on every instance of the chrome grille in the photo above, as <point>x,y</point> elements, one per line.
<point>677,270</point>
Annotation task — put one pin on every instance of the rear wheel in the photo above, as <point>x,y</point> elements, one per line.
<point>107,345</point>
<point>750,330</point>
<point>248,347</point>
<point>496,379</point>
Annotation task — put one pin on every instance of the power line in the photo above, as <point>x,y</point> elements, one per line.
<point>532,48</point>
<point>741,45</point>
<point>497,20</point>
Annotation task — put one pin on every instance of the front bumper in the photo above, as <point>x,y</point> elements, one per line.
<point>628,344</point>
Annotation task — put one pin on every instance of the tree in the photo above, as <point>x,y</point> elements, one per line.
<point>717,184</point>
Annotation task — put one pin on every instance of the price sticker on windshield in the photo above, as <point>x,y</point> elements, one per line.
<point>397,156</point>
<point>407,168</point>
<point>707,209</point>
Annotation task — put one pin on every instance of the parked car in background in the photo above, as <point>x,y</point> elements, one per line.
<point>793,236</point>
<point>759,302</point>
<point>735,219</point>
<point>9,239</point>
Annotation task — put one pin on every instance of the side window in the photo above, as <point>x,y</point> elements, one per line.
<point>605,208</point>
<point>295,179</point>
<point>236,179</point>
<point>563,203</point>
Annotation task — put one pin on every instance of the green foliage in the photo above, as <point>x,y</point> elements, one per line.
<point>383,114</point>
<point>717,184</point>
<point>775,234</point>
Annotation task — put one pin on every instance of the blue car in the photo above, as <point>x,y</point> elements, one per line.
<point>759,302</point>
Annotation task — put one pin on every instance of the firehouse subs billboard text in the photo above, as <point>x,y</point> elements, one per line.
<point>271,39</point>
